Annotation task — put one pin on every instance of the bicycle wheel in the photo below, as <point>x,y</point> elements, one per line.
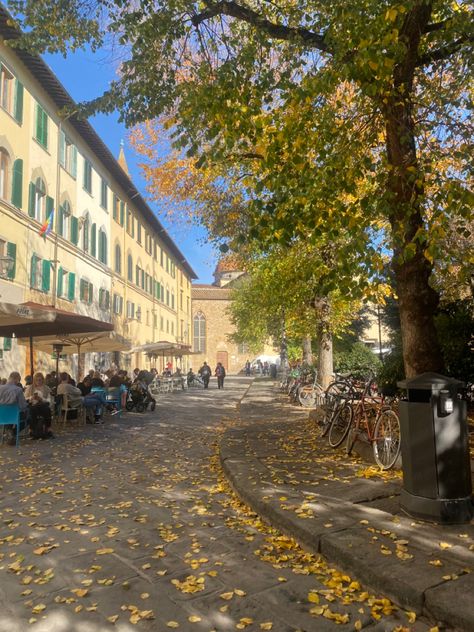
<point>340,425</point>
<point>334,397</point>
<point>386,442</point>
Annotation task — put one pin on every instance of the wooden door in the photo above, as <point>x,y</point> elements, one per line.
<point>223,356</point>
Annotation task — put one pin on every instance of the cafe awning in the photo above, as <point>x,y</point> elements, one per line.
<point>90,342</point>
<point>164,348</point>
<point>32,320</point>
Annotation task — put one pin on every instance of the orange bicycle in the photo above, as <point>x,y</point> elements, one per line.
<point>372,418</point>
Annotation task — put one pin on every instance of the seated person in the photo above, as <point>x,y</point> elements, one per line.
<point>117,382</point>
<point>85,386</point>
<point>39,398</point>
<point>93,401</point>
<point>12,393</point>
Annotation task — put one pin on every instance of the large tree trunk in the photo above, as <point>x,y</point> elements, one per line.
<point>417,299</point>
<point>307,351</point>
<point>324,342</point>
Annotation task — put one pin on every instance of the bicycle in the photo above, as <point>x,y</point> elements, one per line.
<point>339,422</point>
<point>311,394</point>
<point>374,417</point>
<point>340,391</point>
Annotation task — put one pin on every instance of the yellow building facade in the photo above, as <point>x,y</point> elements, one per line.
<point>107,255</point>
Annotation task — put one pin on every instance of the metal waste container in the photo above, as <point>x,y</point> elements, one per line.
<point>437,482</point>
<point>273,370</point>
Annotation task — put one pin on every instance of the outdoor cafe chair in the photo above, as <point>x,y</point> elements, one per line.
<point>10,416</point>
<point>66,408</point>
<point>113,396</point>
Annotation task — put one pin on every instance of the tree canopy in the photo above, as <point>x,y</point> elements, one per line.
<point>335,118</point>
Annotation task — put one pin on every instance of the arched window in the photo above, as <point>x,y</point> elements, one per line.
<point>199,333</point>
<point>118,259</point>
<point>130,268</point>
<point>4,173</point>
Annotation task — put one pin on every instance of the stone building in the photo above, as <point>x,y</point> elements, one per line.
<point>212,326</point>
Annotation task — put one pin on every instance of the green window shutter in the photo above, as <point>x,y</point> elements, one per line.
<point>17,183</point>
<point>62,148</point>
<point>59,291</point>
<point>45,129</point>
<point>81,289</point>
<point>74,161</point>
<point>34,260</point>
<point>71,288</point>
<point>137,275</point>
<point>49,206</point>
<point>39,121</point>
<point>74,230</point>
<point>91,293</point>
<point>31,199</point>
<point>46,278</point>
<point>11,252</point>
<point>104,248</point>
<point>122,213</point>
<point>7,344</point>
<point>101,298</point>
<point>18,105</point>
<point>107,299</point>
<point>93,240</point>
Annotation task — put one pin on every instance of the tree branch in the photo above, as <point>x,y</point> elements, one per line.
<point>435,26</point>
<point>443,52</point>
<point>276,31</point>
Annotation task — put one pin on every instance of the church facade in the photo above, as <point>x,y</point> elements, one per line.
<point>212,327</point>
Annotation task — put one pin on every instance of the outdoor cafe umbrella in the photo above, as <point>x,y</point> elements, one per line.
<point>31,320</point>
<point>165,348</point>
<point>89,342</point>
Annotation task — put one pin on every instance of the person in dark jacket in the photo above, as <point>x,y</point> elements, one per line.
<point>220,374</point>
<point>205,373</point>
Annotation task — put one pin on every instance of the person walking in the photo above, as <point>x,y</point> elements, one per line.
<point>220,374</point>
<point>205,373</point>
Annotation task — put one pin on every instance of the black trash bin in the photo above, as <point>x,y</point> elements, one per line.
<point>273,371</point>
<point>435,450</point>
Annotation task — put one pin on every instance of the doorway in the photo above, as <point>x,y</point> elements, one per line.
<point>223,357</point>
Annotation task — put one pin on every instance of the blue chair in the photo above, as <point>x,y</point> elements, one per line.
<point>10,416</point>
<point>113,395</point>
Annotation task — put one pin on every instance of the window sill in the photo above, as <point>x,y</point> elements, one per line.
<point>12,116</point>
<point>42,146</point>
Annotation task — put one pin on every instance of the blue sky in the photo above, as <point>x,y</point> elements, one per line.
<point>86,75</point>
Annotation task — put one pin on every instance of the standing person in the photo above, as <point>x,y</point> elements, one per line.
<point>248,368</point>
<point>220,374</point>
<point>205,373</point>
<point>12,393</point>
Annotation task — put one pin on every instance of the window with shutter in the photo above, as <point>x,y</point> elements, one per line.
<point>87,183</point>
<point>4,173</point>
<point>18,105</point>
<point>122,213</point>
<point>59,289</point>
<point>7,344</point>
<point>33,271</point>
<point>11,252</point>
<point>71,289</point>
<point>17,183</point>
<point>104,189</point>
<point>74,230</point>
<point>41,132</point>
<point>46,276</point>
<point>130,268</point>
<point>93,240</point>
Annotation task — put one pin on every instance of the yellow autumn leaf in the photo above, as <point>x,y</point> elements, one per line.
<point>113,618</point>
<point>80,592</point>
<point>313,597</point>
<point>411,616</point>
<point>267,625</point>
<point>436,563</point>
<point>240,593</point>
<point>42,550</point>
<point>38,608</point>
<point>445,545</point>
<point>144,595</point>
<point>173,624</point>
<point>194,618</point>
<point>358,625</point>
<point>227,595</point>
<point>104,551</point>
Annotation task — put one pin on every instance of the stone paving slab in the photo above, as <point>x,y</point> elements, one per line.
<point>355,522</point>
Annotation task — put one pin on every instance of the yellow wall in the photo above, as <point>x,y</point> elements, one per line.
<point>159,320</point>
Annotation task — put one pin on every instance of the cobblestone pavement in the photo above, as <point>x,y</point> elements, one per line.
<point>131,526</point>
